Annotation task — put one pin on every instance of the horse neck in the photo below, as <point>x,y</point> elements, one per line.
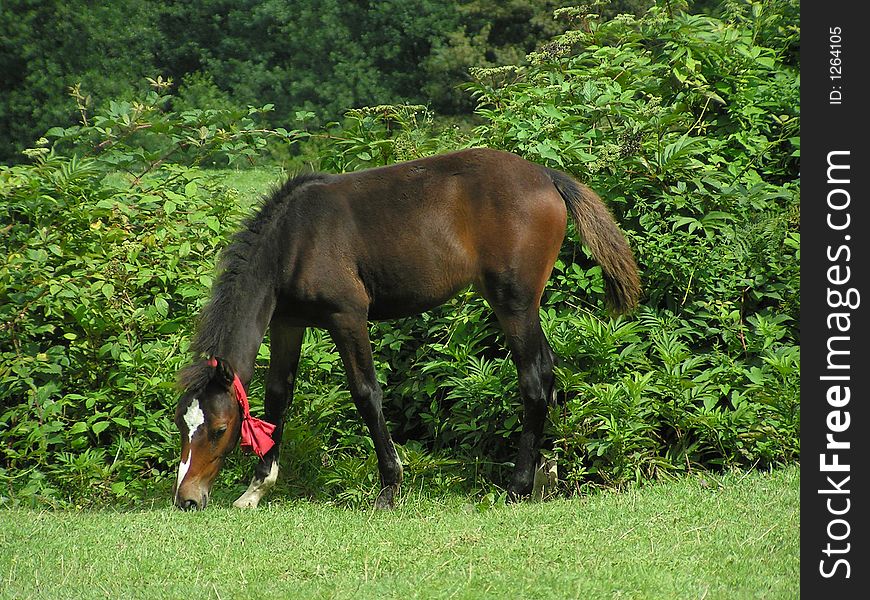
<point>238,326</point>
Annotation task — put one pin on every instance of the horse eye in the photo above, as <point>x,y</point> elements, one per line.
<point>219,432</point>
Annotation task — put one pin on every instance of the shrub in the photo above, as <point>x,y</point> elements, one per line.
<point>687,125</point>
<point>107,258</point>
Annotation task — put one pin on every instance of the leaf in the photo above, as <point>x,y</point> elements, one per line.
<point>545,150</point>
<point>78,427</point>
<point>100,426</point>
<point>692,223</point>
<point>684,146</point>
<point>161,305</point>
<point>714,96</point>
<point>755,375</point>
<point>716,216</point>
<point>551,111</point>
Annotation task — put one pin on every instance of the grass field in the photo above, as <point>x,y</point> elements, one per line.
<point>731,537</point>
<point>251,183</point>
<point>735,536</point>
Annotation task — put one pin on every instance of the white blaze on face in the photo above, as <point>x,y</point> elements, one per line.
<point>193,418</point>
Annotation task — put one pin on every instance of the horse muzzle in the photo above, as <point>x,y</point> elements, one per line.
<point>191,497</point>
<point>192,503</point>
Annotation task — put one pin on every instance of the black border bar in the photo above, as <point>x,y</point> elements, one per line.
<point>835,300</point>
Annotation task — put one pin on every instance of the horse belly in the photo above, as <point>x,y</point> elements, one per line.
<point>417,282</point>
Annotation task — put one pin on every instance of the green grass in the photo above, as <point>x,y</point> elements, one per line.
<point>251,183</point>
<point>735,536</point>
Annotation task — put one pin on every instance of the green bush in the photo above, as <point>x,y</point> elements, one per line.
<point>687,125</point>
<point>107,258</point>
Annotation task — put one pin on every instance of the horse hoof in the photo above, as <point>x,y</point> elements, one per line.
<point>518,493</point>
<point>387,498</point>
<point>245,501</point>
<point>515,497</point>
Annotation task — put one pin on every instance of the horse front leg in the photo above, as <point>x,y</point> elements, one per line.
<point>286,346</point>
<point>351,337</point>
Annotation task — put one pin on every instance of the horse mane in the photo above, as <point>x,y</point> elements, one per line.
<point>237,260</point>
<point>194,377</point>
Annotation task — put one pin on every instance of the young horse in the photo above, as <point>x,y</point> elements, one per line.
<point>335,251</point>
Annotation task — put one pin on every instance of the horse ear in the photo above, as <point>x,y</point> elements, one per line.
<point>223,373</point>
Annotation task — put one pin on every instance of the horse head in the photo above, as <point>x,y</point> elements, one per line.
<point>209,419</point>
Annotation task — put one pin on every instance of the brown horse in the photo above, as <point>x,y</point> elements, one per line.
<point>335,251</point>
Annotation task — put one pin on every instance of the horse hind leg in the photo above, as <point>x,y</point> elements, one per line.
<point>534,360</point>
<point>286,345</point>
<point>516,302</point>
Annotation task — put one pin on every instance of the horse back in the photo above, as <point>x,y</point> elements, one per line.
<point>407,237</point>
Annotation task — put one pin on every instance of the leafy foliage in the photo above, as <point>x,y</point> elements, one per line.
<point>322,56</point>
<point>688,127</point>
<point>686,124</point>
<point>106,259</point>
<point>46,47</point>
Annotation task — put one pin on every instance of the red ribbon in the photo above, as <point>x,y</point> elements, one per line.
<point>256,433</point>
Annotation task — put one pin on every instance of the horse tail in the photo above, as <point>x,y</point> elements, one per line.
<point>600,233</point>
